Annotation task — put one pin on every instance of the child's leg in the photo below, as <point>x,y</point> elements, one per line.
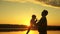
<point>28,30</point>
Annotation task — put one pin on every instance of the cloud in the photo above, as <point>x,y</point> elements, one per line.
<point>51,2</point>
<point>48,3</point>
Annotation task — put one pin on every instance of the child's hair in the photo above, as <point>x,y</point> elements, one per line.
<point>33,16</point>
<point>45,12</point>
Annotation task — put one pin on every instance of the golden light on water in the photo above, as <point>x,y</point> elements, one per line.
<point>33,32</point>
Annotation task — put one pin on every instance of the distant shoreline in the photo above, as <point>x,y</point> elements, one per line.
<point>15,27</point>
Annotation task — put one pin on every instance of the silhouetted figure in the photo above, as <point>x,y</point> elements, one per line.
<point>32,22</point>
<point>42,24</point>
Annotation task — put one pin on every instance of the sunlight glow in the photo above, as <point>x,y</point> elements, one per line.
<point>27,23</point>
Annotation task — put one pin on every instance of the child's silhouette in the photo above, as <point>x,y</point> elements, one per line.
<point>42,24</point>
<point>32,22</point>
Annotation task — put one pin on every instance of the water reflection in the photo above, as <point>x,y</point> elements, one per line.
<point>31,32</point>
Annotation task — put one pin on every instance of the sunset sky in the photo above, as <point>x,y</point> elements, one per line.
<point>20,11</point>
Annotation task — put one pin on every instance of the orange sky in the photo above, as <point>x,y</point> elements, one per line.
<point>20,13</point>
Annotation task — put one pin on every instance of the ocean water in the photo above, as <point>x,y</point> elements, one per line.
<point>31,32</point>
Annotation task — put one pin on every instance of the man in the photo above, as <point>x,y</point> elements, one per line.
<point>42,24</point>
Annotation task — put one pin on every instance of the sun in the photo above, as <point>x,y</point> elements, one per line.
<point>28,24</point>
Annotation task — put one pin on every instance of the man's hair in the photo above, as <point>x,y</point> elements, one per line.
<point>45,12</point>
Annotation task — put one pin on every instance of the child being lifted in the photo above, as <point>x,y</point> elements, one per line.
<point>32,22</point>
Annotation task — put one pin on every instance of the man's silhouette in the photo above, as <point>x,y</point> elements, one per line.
<point>32,22</point>
<point>42,24</point>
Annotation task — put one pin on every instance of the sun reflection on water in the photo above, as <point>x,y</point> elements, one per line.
<point>31,32</point>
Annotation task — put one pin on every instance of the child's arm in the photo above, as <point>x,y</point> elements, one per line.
<point>35,20</point>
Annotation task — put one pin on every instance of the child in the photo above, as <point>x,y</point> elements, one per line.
<point>42,24</point>
<point>32,22</point>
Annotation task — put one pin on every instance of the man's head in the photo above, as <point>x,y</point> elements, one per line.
<point>44,13</point>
